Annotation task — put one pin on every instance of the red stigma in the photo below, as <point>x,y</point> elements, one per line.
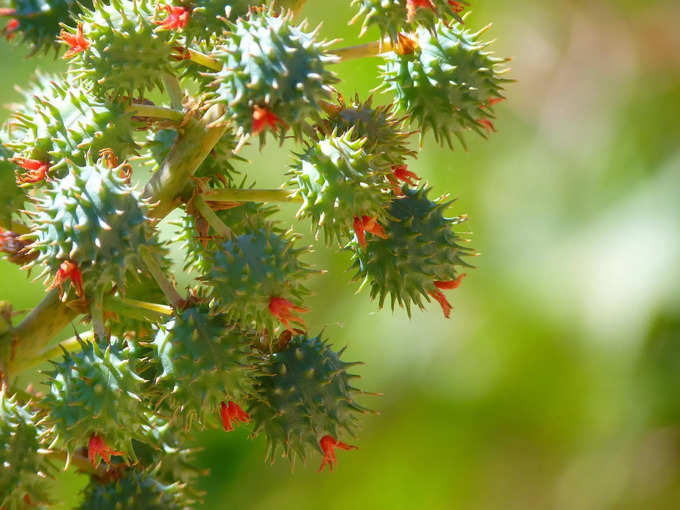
<point>177,17</point>
<point>495,100</point>
<point>488,125</point>
<point>97,446</point>
<point>36,171</point>
<point>282,310</point>
<point>412,6</point>
<point>456,6</point>
<point>403,174</point>
<point>69,271</point>
<point>77,43</point>
<point>264,118</point>
<point>450,284</point>
<point>441,298</point>
<point>10,29</point>
<point>328,445</point>
<point>232,412</point>
<point>370,225</point>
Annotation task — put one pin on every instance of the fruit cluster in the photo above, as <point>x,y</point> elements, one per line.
<point>122,400</point>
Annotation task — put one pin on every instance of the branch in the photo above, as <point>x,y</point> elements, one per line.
<point>202,207</point>
<point>372,49</point>
<point>155,112</point>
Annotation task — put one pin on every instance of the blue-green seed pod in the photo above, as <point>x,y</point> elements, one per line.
<point>448,83</point>
<point>24,470</point>
<point>338,181</point>
<point>303,395</point>
<point>270,63</point>
<point>420,248</point>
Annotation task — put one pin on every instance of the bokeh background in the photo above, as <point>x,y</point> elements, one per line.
<point>556,383</point>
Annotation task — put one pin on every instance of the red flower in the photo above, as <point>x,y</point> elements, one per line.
<point>457,6</point>
<point>282,310</point>
<point>441,298</point>
<point>10,29</point>
<point>328,445</point>
<point>69,271</point>
<point>367,224</point>
<point>487,124</point>
<point>177,17</point>
<point>77,42</point>
<point>263,118</point>
<point>36,170</point>
<point>97,446</point>
<point>402,173</point>
<point>232,412</point>
<point>412,5</point>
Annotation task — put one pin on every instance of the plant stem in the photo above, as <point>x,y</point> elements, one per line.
<point>174,90</point>
<point>161,278</point>
<point>206,61</point>
<point>138,309</point>
<point>213,220</point>
<point>155,112</point>
<point>251,195</point>
<point>70,345</point>
<point>372,49</point>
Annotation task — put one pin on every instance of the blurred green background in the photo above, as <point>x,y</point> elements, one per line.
<point>556,383</point>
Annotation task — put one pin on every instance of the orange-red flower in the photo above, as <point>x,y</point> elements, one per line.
<point>264,118</point>
<point>403,174</point>
<point>232,412</point>
<point>69,271</point>
<point>36,171</point>
<point>367,224</point>
<point>328,445</point>
<point>457,6</point>
<point>77,43</point>
<point>283,309</point>
<point>439,295</point>
<point>97,446</point>
<point>10,29</point>
<point>412,5</point>
<point>177,18</point>
<point>488,125</point>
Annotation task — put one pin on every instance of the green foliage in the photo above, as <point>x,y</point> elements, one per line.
<point>303,394</point>
<point>12,197</point>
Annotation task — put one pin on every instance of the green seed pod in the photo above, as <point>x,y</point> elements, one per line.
<point>12,197</point>
<point>24,471</point>
<point>243,218</point>
<point>251,269</point>
<point>448,83</point>
<point>136,490</point>
<point>338,182</point>
<point>61,121</point>
<point>386,139</point>
<point>303,395</point>
<point>393,17</point>
<point>39,21</point>
<point>125,53</point>
<point>205,361</point>
<point>205,16</point>
<point>96,221</point>
<point>270,66</point>
<point>217,168</point>
<point>419,250</point>
<point>93,392</point>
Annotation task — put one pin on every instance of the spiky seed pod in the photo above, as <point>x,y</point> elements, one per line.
<point>205,16</point>
<point>62,121</point>
<point>95,220</point>
<point>393,17</point>
<point>251,269</point>
<point>12,197</point>
<point>24,471</point>
<point>303,395</point>
<point>448,83</point>
<point>338,182</point>
<point>383,130</point>
<point>198,246</point>
<point>39,21</point>
<point>94,392</point>
<point>420,249</point>
<point>125,54</point>
<point>136,490</point>
<point>272,65</point>
<point>205,361</point>
<point>217,168</point>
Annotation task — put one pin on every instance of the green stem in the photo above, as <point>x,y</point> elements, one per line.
<point>161,278</point>
<point>70,345</point>
<point>155,112</point>
<point>213,220</point>
<point>206,61</point>
<point>251,195</point>
<point>138,309</point>
<point>97,314</point>
<point>372,49</point>
<point>174,90</point>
